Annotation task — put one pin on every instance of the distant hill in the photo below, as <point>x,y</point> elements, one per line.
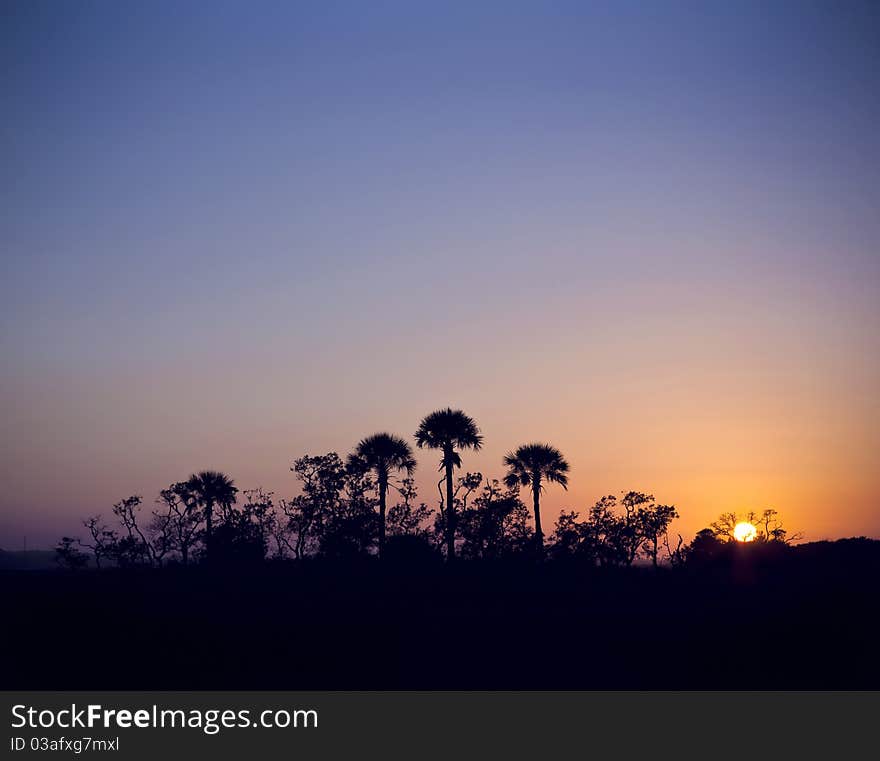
<point>27,560</point>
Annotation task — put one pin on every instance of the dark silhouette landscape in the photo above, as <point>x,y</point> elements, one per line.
<point>357,583</point>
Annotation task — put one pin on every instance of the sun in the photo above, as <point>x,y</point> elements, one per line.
<point>744,532</point>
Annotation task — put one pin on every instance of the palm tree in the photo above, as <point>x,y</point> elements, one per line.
<point>531,465</point>
<point>448,430</point>
<point>209,489</point>
<point>383,453</point>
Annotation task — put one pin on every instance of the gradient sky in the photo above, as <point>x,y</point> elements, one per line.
<point>649,233</point>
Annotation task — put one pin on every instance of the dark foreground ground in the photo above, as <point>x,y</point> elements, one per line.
<point>806,618</point>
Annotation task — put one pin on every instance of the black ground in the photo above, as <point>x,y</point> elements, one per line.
<point>803,618</point>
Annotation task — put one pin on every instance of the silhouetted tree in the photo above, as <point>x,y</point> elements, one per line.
<point>653,521</point>
<point>301,521</point>
<point>632,529</point>
<point>383,454</point>
<point>409,541</point>
<point>607,537</point>
<point>496,525</point>
<point>334,516</point>
<point>351,528</point>
<point>567,537</point>
<point>705,546</point>
<point>770,528</point>
<point>259,508</point>
<point>178,521</point>
<point>531,465</point>
<point>617,532</point>
<point>160,537</point>
<point>304,517</point>
<point>406,518</point>
<point>723,527</point>
<point>449,430</point>
<point>68,555</point>
<point>675,556</point>
<point>465,486</point>
<point>133,548</point>
<point>104,539</point>
<point>241,535</point>
<point>211,489</point>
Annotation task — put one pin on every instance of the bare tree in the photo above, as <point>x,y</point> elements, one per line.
<point>177,520</point>
<point>133,548</point>
<point>104,539</point>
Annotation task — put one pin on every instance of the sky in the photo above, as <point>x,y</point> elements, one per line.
<point>647,233</point>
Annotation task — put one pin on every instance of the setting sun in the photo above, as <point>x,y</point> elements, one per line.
<point>744,532</point>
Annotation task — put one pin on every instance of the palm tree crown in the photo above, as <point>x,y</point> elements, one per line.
<point>532,464</point>
<point>384,453</point>
<point>211,487</point>
<point>449,430</point>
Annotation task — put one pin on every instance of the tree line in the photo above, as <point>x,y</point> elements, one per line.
<point>366,504</point>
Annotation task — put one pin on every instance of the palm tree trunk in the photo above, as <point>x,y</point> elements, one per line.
<point>209,509</point>
<point>539,534</point>
<point>383,489</point>
<point>450,514</point>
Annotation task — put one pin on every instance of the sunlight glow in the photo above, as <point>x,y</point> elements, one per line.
<point>744,532</point>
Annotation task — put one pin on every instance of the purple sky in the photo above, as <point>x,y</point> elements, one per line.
<point>235,233</point>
